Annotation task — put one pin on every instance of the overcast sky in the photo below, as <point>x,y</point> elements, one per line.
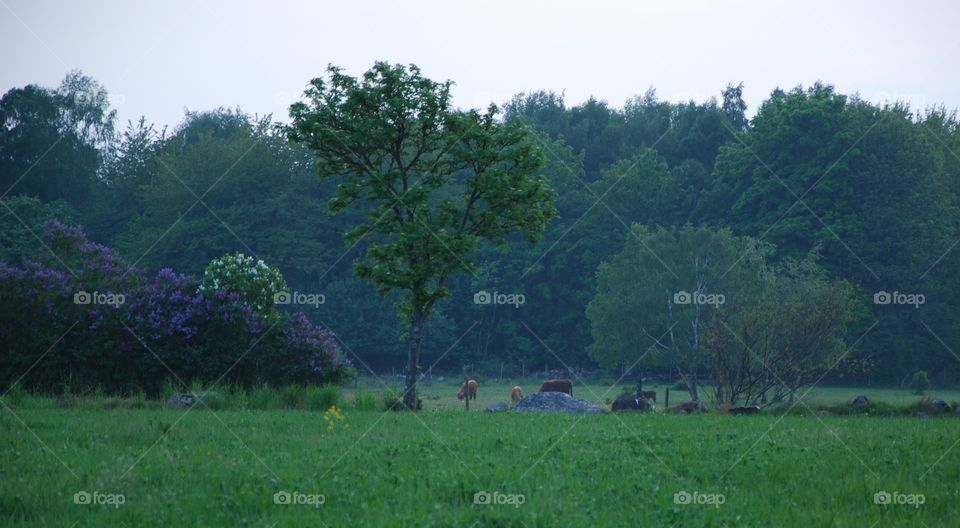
<point>158,59</point>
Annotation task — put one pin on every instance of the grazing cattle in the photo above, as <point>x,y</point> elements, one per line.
<point>516,394</point>
<point>649,395</point>
<point>468,390</point>
<point>557,385</point>
<point>750,409</point>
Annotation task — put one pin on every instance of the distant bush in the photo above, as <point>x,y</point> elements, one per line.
<point>255,283</point>
<point>321,398</point>
<point>292,396</point>
<point>364,401</point>
<point>116,329</point>
<point>920,382</point>
<point>263,398</point>
<point>391,401</point>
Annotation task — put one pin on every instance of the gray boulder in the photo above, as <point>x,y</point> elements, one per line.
<point>183,400</point>
<point>497,407</point>
<point>939,405</point>
<point>551,402</point>
<point>859,402</point>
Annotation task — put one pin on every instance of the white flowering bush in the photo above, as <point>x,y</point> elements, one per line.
<point>252,280</point>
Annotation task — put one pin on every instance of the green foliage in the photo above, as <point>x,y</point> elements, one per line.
<point>874,187</point>
<point>264,398</point>
<point>655,299</point>
<point>292,396</point>
<point>434,181</point>
<point>21,220</point>
<point>919,382</point>
<point>321,398</point>
<point>364,401</point>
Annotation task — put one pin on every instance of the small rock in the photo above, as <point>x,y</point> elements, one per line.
<point>859,402</point>
<point>497,407</point>
<point>183,400</point>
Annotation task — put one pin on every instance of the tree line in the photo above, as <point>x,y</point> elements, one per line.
<point>847,201</point>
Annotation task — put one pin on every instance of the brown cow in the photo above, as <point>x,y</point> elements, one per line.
<point>649,395</point>
<point>516,394</point>
<point>469,390</point>
<point>557,385</point>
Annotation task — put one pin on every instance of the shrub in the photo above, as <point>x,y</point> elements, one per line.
<point>150,328</point>
<point>364,401</point>
<point>920,382</point>
<point>321,398</point>
<point>292,397</point>
<point>263,398</point>
<point>256,284</point>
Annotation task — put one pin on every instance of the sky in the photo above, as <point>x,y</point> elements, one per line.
<point>158,59</point>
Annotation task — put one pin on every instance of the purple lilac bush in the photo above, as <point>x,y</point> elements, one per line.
<point>80,316</point>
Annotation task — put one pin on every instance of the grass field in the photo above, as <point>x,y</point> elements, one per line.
<point>168,467</point>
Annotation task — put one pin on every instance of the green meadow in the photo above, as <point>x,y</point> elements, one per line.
<point>135,462</point>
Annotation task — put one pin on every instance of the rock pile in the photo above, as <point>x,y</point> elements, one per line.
<point>548,402</point>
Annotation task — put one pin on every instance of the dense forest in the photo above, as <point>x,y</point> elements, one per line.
<point>869,192</point>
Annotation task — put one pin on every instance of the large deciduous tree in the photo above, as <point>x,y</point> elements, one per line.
<point>655,300</point>
<point>434,181</point>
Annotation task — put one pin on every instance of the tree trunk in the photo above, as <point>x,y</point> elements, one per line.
<point>691,380</point>
<point>413,362</point>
